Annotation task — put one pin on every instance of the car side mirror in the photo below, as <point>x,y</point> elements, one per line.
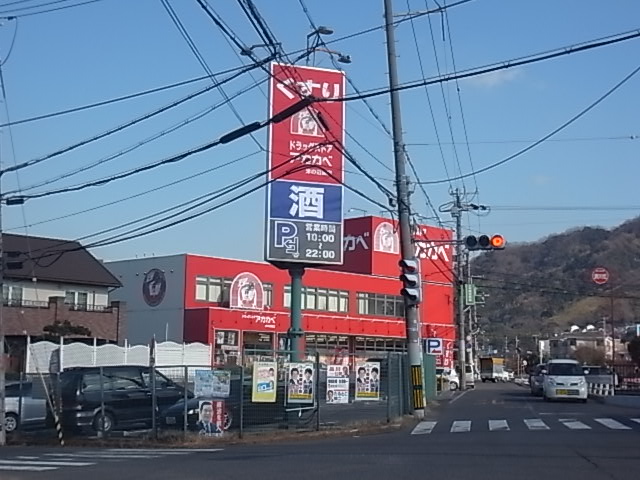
<point>543,372</point>
<point>585,371</point>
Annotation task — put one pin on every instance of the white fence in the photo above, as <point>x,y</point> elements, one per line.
<point>49,357</point>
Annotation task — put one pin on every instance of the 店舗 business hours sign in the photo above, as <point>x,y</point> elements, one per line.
<point>305,160</point>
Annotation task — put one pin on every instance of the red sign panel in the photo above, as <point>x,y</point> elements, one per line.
<point>600,275</point>
<point>314,136</point>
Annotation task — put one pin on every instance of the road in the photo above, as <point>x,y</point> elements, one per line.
<point>496,431</point>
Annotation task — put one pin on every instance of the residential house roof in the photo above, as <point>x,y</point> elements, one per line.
<point>54,260</point>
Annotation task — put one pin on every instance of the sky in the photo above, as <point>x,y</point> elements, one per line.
<point>106,49</point>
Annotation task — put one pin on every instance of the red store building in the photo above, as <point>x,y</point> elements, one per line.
<point>239,305</point>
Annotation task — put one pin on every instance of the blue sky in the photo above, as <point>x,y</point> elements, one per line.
<point>111,48</point>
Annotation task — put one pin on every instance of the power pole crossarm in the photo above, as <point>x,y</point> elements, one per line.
<point>404,219</point>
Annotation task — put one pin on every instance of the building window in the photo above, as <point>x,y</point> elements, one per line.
<point>268,294</point>
<point>77,300</point>
<point>12,294</point>
<point>320,299</point>
<point>380,304</point>
<point>212,289</point>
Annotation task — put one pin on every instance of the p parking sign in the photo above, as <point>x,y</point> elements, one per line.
<point>433,346</point>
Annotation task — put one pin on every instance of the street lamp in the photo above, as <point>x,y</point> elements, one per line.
<point>342,58</point>
<point>316,34</point>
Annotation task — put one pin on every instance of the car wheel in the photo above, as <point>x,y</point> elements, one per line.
<point>453,385</point>
<point>11,422</point>
<point>104,423</point>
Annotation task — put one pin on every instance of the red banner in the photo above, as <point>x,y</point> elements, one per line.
<point>314,136</point>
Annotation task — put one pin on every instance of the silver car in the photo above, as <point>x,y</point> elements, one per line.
<point>33,411</point>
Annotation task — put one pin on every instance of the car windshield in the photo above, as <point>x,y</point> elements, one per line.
<point>565,369</point>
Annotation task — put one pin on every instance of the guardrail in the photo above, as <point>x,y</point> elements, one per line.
<point>601,389</point>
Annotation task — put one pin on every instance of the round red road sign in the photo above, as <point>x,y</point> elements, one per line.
<point>600,275</point>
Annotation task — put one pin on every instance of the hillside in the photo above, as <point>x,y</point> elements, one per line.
<point>543,287</point>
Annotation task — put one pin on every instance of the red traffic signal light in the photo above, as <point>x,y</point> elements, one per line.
<point>485,242</point>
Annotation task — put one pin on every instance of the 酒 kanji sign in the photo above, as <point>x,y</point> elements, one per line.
<point>305,161</point>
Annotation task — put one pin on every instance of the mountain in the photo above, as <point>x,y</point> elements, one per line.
<point>544,287</point>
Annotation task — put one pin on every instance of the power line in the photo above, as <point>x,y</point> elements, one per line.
<point>20,15</point>
<point>198,79</point>
<point>517,62</point>
<point>130,123</point>
<point>566,208</point>
<point>203,63</point>
<point>550,134</point>
<point>426,91</point>
<point>140,194</point>
<point>139,144</point>
<point>576,139</point>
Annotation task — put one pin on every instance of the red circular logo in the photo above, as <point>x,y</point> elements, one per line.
<point>600,275</point>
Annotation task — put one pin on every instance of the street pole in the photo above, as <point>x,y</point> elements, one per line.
<point>613,335</point>
<point>402,189</point>
<point>3,365</point>
<point>456,212</point>
<point>469,279</point>
<point>296,333</point>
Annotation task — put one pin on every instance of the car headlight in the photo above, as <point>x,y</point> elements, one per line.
<point>581,382</point>
<point>192,412</point>
<point>551,381</point>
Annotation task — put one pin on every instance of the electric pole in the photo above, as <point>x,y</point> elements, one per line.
<point>412,289</point>
<point>456,212</point>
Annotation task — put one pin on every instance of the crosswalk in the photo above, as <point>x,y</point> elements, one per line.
<point>531,424</point>
<point>46,462</point>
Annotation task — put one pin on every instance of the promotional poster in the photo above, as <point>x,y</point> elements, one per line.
<point>212,383</point>
<point>337,384</point>
<point>264,382</point>
<point>368,381</point>
<point>300,383</point>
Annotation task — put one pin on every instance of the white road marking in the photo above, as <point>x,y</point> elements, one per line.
<point>637,420</point>
<point>459,396</point>
<point>461,426</point>
<point>424,428</point>
<point>26,457</point>
<point>105,456</point>
<point>496,425</point>
<point>165,450</point>
<point>46,463</point>
<point>535,424</point>
<point>612,424</point>
<point>574,424</point>
<point>24,468</point>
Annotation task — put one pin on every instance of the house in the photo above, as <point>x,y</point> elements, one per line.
<point>49,280</point>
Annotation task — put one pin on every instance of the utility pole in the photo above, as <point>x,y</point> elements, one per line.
<point>3,365</point>
<point>408,252</point>
<point>456,212</point>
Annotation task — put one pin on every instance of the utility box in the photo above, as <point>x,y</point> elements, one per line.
<point>430,381</point>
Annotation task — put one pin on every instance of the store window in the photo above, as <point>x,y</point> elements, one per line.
<point>227,344</point>
<point>212,289</point>
<point>380,304</point>
<point>320,299</point>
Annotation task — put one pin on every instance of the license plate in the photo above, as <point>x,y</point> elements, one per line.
<point>567,392</point>
<point>171,420</point>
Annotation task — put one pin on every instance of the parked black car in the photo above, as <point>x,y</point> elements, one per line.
<point>126,391</point>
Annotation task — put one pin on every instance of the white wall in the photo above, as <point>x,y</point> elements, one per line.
<point>165,321</point>
<point>42,291</point>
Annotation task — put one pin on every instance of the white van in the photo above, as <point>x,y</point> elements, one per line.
<point>469,377</point>
<point>564,379</point>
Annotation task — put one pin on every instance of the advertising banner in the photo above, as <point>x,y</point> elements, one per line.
<point>265,382</point>
<point>337,384</point>
<point>368,381</point>
<point>212,383</point>
<point>305,160</point>
<point>300,382</point>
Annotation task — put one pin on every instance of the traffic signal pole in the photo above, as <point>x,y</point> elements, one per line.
<point>402,189</point>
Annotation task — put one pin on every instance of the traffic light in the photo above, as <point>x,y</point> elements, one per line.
<point>484,242</point>
<point>412,285</point>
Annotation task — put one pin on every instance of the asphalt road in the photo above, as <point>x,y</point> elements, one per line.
<point>497,431</point>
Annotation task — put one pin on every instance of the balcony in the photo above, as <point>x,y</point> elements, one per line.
<point>28,317</point>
